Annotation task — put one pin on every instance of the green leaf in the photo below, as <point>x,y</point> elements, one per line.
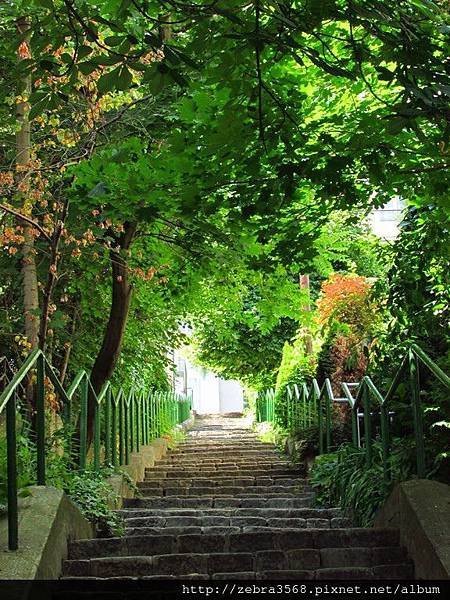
<point>108,81</point>
<point>114,40</point>
<point>124,79</point>
<point>87,67</point>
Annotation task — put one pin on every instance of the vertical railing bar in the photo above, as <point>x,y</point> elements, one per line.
<point>114,416</point>
<point>367,424</point>
<point>97,432</point>
<point>40,419</point>
<point>108,426</point>
<point>83,421</point>
<point>126,407</point>
<point>11,449</point>
<point>137,400</point>
<point>414,378</point>
<point>385,441</point>
<point>121,429</point>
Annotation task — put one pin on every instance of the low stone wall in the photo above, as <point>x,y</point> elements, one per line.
<point>48,519</point>
<point>420,509</point>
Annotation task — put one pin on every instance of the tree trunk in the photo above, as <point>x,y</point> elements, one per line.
<point>23,156</point>
<point>112,341</point>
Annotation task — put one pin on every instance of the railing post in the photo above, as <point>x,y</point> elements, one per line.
<point>320,420</point>
<point>385,440</point>
<point>96,435</point>
<point>83,421</point>
<point>354,410</point>
<point>40,419</point>
<point>126,436</point>
<point>137,402</point>
<point>131,420</point>
<point>367,424</point>
<point>121,429</point>
<point>114,415</point>
<point>11,449</point>
<point>417,413</point>
<point>108,426</point>
<point>328,397</point>
<point>67,409</point>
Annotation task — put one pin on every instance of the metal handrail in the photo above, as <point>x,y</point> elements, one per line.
<point>315,404</point>
<point>129,419</point>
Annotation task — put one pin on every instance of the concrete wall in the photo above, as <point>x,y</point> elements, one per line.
<point>420,509</point>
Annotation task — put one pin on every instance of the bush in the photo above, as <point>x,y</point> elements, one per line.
<point>343,479</point>
<point>295,368</point>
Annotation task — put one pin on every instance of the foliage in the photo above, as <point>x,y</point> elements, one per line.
<point>347,245</point>
<point>94,496</point>
<point>343,478</point>
<point>240,327</point>
<point>296,368</point>
<point>346,299</point>
<point>417,300</point>
<point>25,462</point>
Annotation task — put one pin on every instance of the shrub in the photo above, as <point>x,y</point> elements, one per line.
<point>347,299</point>
<point>295,368</point>
<point>343,479</point>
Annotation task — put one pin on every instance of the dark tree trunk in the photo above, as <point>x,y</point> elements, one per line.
<point>112,341</point>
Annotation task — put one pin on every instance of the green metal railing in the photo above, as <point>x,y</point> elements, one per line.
<point>310,405</point>
<point>122,422</point>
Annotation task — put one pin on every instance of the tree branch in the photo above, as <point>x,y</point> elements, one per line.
<point>11,211</point>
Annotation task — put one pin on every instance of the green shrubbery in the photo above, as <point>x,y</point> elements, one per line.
<point>342,478</point>
<point>295,368</point>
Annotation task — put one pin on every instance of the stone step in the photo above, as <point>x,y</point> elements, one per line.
<point>302,559</point>
<point>267,469</point>
<point>274,525</point>
<point>217,492</point>
<point>224,449</point>
<point>218,481</point>
<point>314,522</point>
<point>342,547</point>
<point>224,444</point>
<point>262,513</point>
<point>219,502</point>
<point>174,473</point>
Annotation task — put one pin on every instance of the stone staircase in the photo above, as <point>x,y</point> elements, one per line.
<point>226,506</point>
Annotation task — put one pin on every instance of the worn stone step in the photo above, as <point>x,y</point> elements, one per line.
<point>212,560</point>
<point>265,513</point>
<point>225,450</point>
<point>146,524</point>
<point>216,492</point>
<point>218,502</point>
<point>184,482</point>
<point>205,465</point>
<point>337,546</point>
<point>357,550</point>
<point>251,445</point>
<point>261,468</point>
<point>175,473</point>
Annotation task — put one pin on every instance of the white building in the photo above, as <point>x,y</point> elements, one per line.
<point>210,394</point>
<point>385,220</point>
